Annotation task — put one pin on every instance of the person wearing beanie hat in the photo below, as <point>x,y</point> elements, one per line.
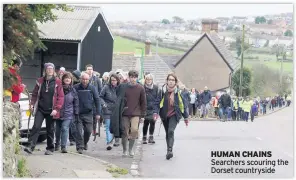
<point>46,102</point>
<point>69,111</point>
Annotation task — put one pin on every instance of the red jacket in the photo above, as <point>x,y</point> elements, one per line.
<point>58,96</point>
<point>17,88</point>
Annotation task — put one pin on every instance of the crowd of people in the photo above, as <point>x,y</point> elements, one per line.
<point>227,107</point>
<point>73,102</point>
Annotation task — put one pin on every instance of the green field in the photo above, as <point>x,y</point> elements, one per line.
<point>126,45</point>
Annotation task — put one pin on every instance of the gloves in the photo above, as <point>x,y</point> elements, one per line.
<point>76,119</point>
<point>186,121</point>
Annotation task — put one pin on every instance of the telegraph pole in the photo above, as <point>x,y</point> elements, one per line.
<point>242,64</point>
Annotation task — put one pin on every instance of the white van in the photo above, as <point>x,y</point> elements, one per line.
<point>23,129</point>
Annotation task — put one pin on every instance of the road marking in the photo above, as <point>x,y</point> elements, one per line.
<point>259,138</point>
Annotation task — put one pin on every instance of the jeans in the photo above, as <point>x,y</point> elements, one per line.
<point>246,117</point>
<point>72,131</point>
<point>170,125</point>
<point>148,122</point>
<point>109,136</point>
<point>224,112</point>
<point>205,109</point>
<point>62,132</point>
<point>39,117</point>
<point>85,124</point>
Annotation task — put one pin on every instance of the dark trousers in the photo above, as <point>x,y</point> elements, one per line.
<point>240,114</point>
<point>170,125</point>
<point>264,109</point>
<point>148,122</point>
<point>83,129</point>
<point>192,109</point>
<point>38,120</point>
<point>246,116</point>
<point>72,131</point>
<point>234,114</point>
<point>253,116</point>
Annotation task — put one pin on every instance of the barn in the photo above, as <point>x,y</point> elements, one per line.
<point>75,39</point>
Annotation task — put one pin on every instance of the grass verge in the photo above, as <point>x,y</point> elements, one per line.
<point>22,170</point>
<point>116,171</point>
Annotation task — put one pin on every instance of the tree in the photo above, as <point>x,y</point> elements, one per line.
<point>178,20</point>
<point>246,83</point>
<point>269,21</point>
<point>260,20</point>
<point>279,50</point>
<point>266,43</point>
<point>21,34</point>
<point>289,33</point>
<point>165,21</point>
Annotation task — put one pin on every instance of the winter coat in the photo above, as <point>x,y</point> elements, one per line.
<point>88,98</point>
<point>108,99</point>
<point>179,106</point>
<point>186,96</point>
<point>153,99</point>
<point>116,127</point>
<point>17,88</point>
<point>58,97</point>
<point>225,101</point>
<point>71,105</point>
<point>205,97</point>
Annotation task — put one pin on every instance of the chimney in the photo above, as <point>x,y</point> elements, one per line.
<point>147,47</point>
<point>209,25</point>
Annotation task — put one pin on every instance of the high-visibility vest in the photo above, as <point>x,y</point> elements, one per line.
<point>181,105</point>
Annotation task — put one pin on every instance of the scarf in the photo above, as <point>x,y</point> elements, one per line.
<point>172,95</point>
<point>149,86</point>
<point>66,88</point>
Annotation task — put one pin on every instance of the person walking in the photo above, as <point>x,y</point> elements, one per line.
<point>247,106</point>
<point>134,112</point>
<point>192,104</point>
<point>46,102</point>
<point>105,78</point>
<point>234,108</point>
<point>153,99</point>
<point>225,104</point>
<point>108,99</point>
<point>205,102</point>
<point>172,109</point>
<point>88,95</point>
<point>69,111</point>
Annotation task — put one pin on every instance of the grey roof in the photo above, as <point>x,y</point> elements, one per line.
<point>124,62</point>
<point>234,64</point>
<point>218,43</point>
<point>171,60</point>
<point>71,25</point>
<point>156,66</point>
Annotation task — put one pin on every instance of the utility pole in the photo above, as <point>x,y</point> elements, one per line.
<point>281,73</point>
<point>242,64</point>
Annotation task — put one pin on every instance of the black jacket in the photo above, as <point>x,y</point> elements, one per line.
<point>205,97</point>
<point>225,101</point>
<point>108,99</point>
<point>153,99</point>
<point>88,97</point>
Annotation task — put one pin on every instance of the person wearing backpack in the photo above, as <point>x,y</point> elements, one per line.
<point>172,109</point>
<point>88,95</point>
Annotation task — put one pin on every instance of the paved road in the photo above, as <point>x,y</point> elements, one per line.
<point>193,146</point>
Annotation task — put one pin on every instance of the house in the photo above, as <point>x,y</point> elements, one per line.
<point>207,63</point>
<point>239,19</point>
<point>75,39</point>
<point>260,40</point>
<point>266,29</point>
<point>281,23</point>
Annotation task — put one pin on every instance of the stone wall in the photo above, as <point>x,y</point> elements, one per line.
<point>11,116</point>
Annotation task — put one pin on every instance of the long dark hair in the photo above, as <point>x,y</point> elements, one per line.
<point>173,75</point>
<point>116,77</point>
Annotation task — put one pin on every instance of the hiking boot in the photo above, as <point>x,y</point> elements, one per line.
<point>57,148</point>
<point>72,143</point>
<point>169,154</point>
<point>85,147</point>
<point>94,132</point>
<point>116,143</point>
<point>109,147</point>
<point>64,150</point>
<point>144,140</point>
<point>48,152</point>
<point>151,140</point>
<point>130,148</point>
<point>28,150</point>
<point>80,151</point>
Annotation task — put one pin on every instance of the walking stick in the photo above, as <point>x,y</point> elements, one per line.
<point>28,133</point>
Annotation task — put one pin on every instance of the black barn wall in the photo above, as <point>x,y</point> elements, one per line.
<point>97,47</point>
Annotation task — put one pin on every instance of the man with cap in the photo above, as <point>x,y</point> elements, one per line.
<point>46,102</point>
<point>205,98</point>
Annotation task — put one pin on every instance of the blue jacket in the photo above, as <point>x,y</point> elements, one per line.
<point>87,98</point>
<point>71,105</point>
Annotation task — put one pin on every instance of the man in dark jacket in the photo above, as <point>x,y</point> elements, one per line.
<point>97,83</point>
<point>225,103</point>
<point>205,99</point>
<point>88,96</point>
<point>153,100</point>
<point>135,99</point>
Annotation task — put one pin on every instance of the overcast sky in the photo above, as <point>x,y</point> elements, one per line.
<point>125,12</point>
